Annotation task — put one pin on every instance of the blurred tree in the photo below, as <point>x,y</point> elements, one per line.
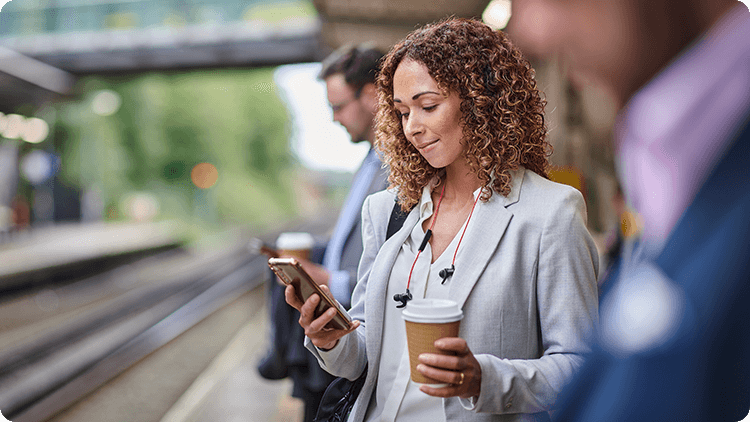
<point>166,123</point>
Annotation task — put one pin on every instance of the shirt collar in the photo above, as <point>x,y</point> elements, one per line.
<point>676,127</point>
<point>426,206</point>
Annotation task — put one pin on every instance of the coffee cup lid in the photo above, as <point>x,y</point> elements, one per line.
<point>432,311</point>
<point>294,241</point>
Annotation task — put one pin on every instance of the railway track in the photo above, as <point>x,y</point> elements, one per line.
<point>62,339</point>
<point>80,315</point>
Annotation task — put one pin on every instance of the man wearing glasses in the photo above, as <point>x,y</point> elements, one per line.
<point>349,74</point>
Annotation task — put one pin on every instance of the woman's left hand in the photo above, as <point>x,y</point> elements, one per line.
<point>449,369</point>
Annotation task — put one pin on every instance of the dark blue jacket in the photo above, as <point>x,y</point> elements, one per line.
<point>700,369</point>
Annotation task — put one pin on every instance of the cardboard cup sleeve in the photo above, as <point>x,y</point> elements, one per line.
<point>421,339</point>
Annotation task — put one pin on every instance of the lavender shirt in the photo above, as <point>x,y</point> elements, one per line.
<point>674,130</point>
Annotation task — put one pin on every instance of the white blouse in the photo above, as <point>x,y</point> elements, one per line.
<point>396,397</point>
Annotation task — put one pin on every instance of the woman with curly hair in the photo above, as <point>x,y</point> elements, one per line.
<point>461,125</point>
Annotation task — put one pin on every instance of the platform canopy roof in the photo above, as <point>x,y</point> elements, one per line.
<point>126,36</point>
<point>384,22</point>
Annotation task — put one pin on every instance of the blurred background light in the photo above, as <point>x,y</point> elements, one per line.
<point>35,130</point>
<point>37,166</point>
<point>106,102</point>
<point>141,206</point>
<point>497,14</point>
<point>13,126</point>
<point>204,175</point>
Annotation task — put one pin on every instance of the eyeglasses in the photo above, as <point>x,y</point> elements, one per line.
<point>340,106</point>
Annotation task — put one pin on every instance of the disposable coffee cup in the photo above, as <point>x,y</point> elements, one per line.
<point>295,244</point>
<point>426,321</point>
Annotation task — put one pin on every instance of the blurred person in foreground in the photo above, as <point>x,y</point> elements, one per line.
<point>349,74</point>
<point>674,342</point>
<point>461,127</point>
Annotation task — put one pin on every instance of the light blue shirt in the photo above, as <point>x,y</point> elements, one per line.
<point>340,280</point>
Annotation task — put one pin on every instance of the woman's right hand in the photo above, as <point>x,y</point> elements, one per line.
<point>315,328</point>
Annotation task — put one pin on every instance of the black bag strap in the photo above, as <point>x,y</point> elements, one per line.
<point>397,220</point>
<point>339,397</point>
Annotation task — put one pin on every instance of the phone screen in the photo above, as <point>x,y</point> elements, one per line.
<point>290,272</point>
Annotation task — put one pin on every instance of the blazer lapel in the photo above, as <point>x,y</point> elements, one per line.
<point>712,207</point>
<point>486,228</point>
<point>377,284</point>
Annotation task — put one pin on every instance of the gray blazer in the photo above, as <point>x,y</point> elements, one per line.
<point>526,281</point>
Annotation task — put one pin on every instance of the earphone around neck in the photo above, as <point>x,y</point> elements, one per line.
<point>445,273</point>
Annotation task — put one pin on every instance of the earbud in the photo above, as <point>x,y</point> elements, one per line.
<point>446,272</point>
<point>403,298</point>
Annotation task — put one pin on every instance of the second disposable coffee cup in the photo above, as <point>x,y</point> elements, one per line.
<point>296,244</point>
<point>426,321</point>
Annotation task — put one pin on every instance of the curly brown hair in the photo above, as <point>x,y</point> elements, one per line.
<point>502,112</point>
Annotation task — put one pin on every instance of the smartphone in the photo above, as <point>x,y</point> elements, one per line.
<point>291,272</point>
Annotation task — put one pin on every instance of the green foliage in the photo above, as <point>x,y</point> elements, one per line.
<point>168,123</point>
<point>280,11</point>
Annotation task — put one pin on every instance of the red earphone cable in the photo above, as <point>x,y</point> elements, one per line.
<point>429,232</point>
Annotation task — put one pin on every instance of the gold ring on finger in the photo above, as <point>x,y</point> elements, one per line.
<point>461,381</point>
